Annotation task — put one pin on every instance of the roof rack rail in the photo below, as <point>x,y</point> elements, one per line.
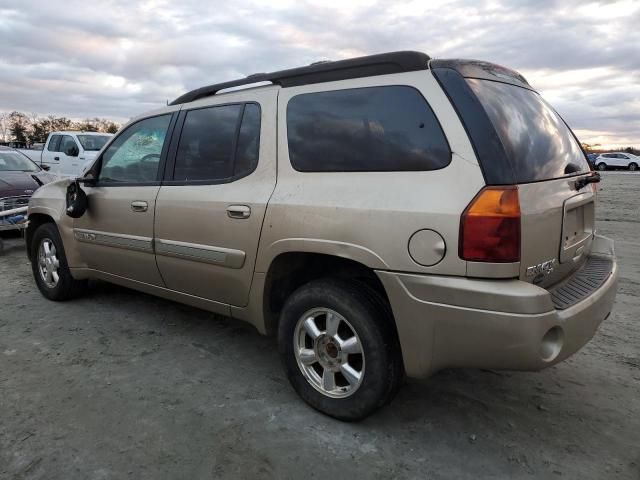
<point>319,72</point>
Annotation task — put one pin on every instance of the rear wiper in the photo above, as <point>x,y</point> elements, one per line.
<point>584,181</point>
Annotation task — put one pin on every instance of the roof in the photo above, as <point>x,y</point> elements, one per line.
<point>320,72</point>
<point>79,132</point>
<point>482,70</point>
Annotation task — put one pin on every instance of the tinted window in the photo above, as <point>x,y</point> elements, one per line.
<point>609,155</point>
<point>67,142</point>
<point>54,143</point>
<point>365,129</point>
<point>248,141</point>
<point>536,140</point>
<point>93,143</point>
<point>135,155</point>
<point>205,151</point>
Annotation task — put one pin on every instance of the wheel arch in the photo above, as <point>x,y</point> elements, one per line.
<point>35,220</point>
<point>290,270</point>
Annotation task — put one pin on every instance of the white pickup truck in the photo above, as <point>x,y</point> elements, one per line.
<point>68,153</point>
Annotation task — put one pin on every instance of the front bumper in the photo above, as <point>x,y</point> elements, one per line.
<point>447,322</point>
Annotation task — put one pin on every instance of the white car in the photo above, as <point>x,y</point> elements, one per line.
<point>67,154</point>
<point>617,160</point>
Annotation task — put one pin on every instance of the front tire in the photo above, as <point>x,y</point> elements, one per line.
<point>49,265</point>
<point>633,167</point>
<point>602,167</point>
<point>339,348</point>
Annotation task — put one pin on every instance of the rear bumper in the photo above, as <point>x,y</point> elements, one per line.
<point>500,324</point>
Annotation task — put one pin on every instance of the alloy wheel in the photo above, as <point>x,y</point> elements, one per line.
<point>329,353</point>
<point>48,263</point>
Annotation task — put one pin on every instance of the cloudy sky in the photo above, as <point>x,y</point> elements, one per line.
<point>116,58</point>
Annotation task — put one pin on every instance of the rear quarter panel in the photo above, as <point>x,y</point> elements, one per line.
<point>370,216</point>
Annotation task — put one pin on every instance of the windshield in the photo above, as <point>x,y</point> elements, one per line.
<point>93,142</point>
<point>16,162</point>
<point>536,140</point>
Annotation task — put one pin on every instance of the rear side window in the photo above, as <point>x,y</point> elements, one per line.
<point>218,143</point>
<point>375,129</point>
<point>248,141</point>
<point>537,142</point>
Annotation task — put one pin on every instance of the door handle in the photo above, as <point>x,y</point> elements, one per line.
<point>139,206</point>
<point>238,211</point>
<point>56,158</point>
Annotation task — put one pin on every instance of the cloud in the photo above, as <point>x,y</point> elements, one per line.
<point>115,58</point>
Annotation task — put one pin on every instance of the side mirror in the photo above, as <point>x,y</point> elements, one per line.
<point>46,168</point>
<point>71,151</point>
<point>77,202</point>
<point>87,180</point>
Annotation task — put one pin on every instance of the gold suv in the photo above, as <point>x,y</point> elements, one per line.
<point>383,216</point>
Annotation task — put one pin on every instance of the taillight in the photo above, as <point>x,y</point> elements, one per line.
<point>490,226</point>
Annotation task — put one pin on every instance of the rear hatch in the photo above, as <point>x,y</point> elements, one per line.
<point>521,140</point>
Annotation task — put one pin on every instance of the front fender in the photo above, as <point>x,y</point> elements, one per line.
<point>50,201</point>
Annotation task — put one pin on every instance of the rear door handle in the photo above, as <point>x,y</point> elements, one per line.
<point>139,206</point>
<point>238,211</point>
<point>56,158</point>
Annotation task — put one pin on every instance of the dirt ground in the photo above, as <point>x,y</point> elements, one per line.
<point>119,384</point>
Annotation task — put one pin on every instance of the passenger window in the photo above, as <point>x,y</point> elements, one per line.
<point>248,141</point>
<point>54,143</point>
<point>66,142</point>
<point>205,151</point>
<point>365,129</point>
<point>134,156</point>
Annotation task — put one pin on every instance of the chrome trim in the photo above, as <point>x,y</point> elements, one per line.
<point>117,240</point>
<point>11,203</point>
<point>225,257</point>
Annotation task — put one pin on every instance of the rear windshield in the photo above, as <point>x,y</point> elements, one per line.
<point>93,142</point>
<point>536,140</point>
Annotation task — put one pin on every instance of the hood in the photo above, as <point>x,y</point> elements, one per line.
<point>16,184</point>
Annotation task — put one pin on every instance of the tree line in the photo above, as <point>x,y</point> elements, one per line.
<point>597,148</point>
<point>31,128</point>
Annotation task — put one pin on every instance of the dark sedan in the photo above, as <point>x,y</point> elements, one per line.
<point>19,178</point>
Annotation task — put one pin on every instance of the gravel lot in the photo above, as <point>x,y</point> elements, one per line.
<point>119,384</point>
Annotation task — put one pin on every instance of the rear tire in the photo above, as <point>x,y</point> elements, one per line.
<point>633,167</point>
<point>49,265</point>
<point>345,361</point>
<point>602,167</point>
